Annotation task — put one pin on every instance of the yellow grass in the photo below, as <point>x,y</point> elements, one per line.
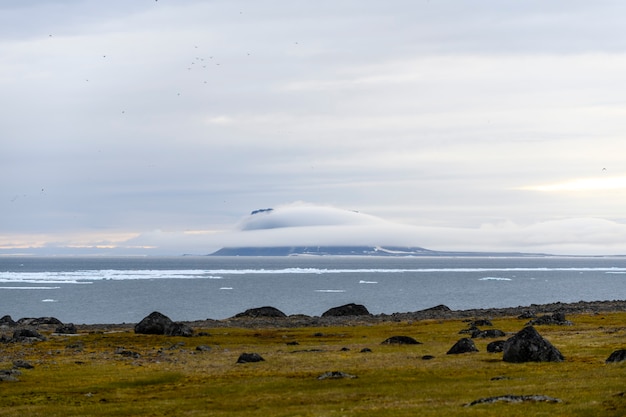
<point>83,376</point>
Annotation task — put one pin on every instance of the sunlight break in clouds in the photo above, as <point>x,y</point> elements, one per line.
<point>583,184</point>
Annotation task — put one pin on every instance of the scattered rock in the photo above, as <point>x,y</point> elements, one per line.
<point>347,310</point>
<point>249,358</point>
<point>469,330</point>
<point>617,356</point>
<point>527,314</point>
<point>26,321</point>
<point>336,375</point>
<point>496,347</point>
<point>401,340</point>
<point>514,399</point>
<point>157,323</point>
<point>127,353</point>
<point>427,357</point>
<point>68,328</point>
<point>464,345</point>
<point>7,321</point>
<point>440,308</point>
<point>203,348</point>
<point>528,346</point>
<point>366,350</point>
<point>9,375</point>
<point>481,322</point>
<point>262,312</point>
<point>27,335</point>
<point>557,319</point>
<point>488,334</point>
<point>22,364</point>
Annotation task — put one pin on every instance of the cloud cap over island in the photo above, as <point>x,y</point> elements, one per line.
<point>302,224</point>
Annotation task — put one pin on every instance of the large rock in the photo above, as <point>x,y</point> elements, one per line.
<point>347,310</point>
<point>464,345</point>
<point>27,335</point>
<point>154,323</point>
<point>68,328</point>
<point>528,346</point>
<point>7,321</point>
<point>262,312</point>
<point>617,356</point>
<point>29,321</point>
<point>401,340</point>
<point>250,358</point>
<point>496,347</point>
<point>179,329</point>
<point>157,323</point>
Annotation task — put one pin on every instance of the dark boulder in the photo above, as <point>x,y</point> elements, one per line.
<point>528,346</point>
<point>68,328</point>
<point>179,329</point>
<point>487,334</point>
<point>7,321</point>
<point>527,314</point>
<point>557,319</point>
<point>496,347</point>
<point>154,323</point>
<point>617,356</point>
<point>203,348</point>
<point>262,312</point>
<point>19,363</point>
<point>27,335</point>
<point>26,321</point>
<point>249,358</point>
<point>9,375</point>
<point>347,310</point>
<point>469,330</point>
<point>464,345</point>
<point>438,308</point>
<point>481,322</point>
<point>157,323</point>
<point>401,340</point>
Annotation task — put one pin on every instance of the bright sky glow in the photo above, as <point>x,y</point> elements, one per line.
<point>584,184</point>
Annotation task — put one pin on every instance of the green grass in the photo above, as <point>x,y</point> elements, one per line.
<point>90,379</point>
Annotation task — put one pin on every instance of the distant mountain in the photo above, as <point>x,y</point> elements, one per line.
<point>392,251</point>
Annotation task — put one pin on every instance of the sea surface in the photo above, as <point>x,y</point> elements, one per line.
<point>90,290</point>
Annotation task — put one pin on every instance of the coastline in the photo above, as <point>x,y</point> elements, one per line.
<point>439,312</point>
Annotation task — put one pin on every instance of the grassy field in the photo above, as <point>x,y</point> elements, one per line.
<point>124,374</point>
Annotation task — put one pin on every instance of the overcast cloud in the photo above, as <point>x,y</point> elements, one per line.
<point>158,126</point>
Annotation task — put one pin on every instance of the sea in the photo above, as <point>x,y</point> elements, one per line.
<point>98,290</point>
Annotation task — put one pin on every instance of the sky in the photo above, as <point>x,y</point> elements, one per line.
<point>157,127</point>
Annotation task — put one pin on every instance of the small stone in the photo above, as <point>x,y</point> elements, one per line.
<point>336,375</point>
<point>249,358</point>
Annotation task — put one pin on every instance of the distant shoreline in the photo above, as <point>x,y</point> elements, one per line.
<point>434,313</point>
